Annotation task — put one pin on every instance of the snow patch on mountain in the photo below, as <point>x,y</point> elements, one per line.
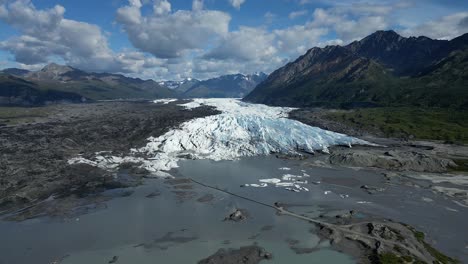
<point>242,129</point>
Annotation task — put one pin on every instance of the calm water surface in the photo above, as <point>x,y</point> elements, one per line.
<point>171,229</point>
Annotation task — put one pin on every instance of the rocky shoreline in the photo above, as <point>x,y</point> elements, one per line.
<point>394,154</point>
<point>380,241</point>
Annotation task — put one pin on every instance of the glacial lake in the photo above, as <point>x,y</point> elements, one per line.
<point>175,228</point>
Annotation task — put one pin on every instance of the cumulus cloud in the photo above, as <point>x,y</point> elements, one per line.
<point>175,44</point>
<point>46,34</point>
<point>346,26</point>
<point>161,7</point>
<point>170,35</point>
<point>246,44</point>
<point>258,44</point>
<point>236,3</point>
<point>296,40</point>
<point>447,27</point>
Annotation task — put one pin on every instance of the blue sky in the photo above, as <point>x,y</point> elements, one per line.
<point>175,39</point>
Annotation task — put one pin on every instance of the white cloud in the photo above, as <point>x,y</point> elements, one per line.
<point>161,7</point>
<point>246,44</point>
<point>173,34</point>
<point>258,48</point>
<point>296,14</point>
<point>47,32</point>
<point>136,3</point>
<point>447,27</point>
<point>298,39</point>
<point>236,3</point>
<point>346,26</point>
<point>46,35</point>
<point>175,44</point>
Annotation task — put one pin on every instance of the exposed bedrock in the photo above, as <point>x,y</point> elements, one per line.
<point>398,159</point>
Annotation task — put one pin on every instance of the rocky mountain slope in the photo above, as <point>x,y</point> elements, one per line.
<point>233,86</point>
<point>382,69</point>
<point>18,92</point>
<point>95,86</point>
<point>180,86</point>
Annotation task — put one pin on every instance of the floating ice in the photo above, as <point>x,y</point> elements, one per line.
<point>284,184</point>
<point>285,168</point>
<point>242,129</point>
<point>289,182</point>
<point>273,180</point>
<point>165,101</point>
<point>261,185</point>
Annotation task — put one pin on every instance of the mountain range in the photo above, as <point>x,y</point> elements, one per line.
<point>232,86</point>
<point>225,86</point>
<point>94,86</point>
<point>17,91</point>
<point>180,86</point>
<point>65,83</point>
<point>383,69</point>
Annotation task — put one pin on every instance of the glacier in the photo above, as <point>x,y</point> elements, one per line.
<point>242,129</point>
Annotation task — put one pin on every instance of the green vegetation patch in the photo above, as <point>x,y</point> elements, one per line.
<point>462,165</point>
<point>439,256</point>
<point>390,258</point>
<point>18,115</point>
<point>409,122</point>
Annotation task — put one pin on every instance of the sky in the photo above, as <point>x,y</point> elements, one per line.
<point>177,39</point>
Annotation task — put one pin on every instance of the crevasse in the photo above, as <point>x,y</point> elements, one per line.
<point>242,129</point>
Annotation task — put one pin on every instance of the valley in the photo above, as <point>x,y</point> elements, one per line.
<point>233,132</point>
<point>155,183</point>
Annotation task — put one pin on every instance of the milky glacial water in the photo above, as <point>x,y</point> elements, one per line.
<point>131,226</point>
<point>338,191</point>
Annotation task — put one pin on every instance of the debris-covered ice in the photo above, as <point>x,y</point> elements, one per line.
<point>242,129</point>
